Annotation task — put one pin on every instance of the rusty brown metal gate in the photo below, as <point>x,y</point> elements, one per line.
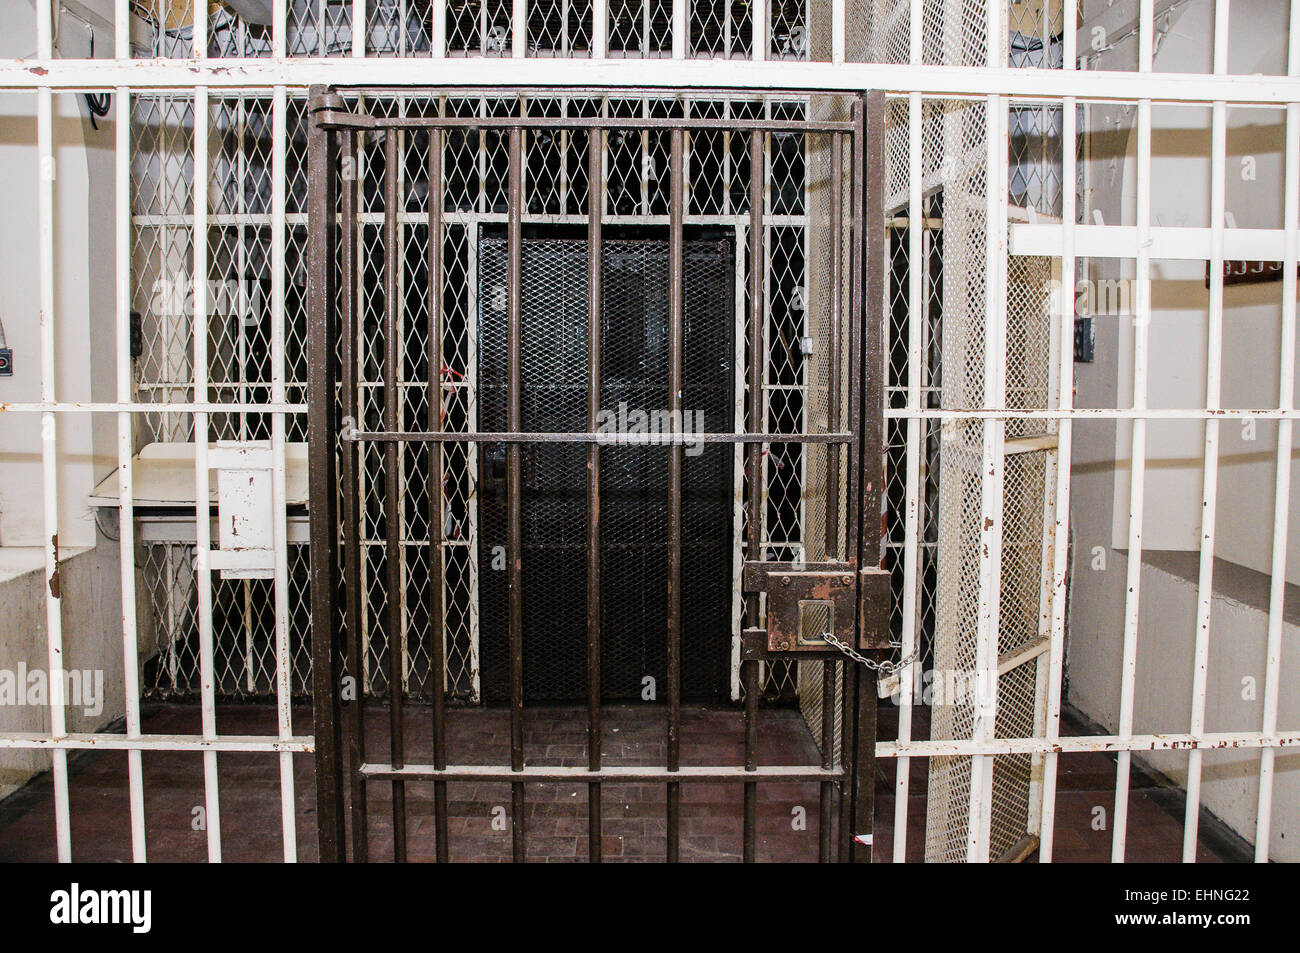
<point>827,612</point>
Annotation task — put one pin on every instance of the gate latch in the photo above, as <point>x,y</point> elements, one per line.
<point>806,601</point>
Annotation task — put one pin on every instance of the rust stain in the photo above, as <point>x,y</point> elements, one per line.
<point>38,71</point>
<point>56,589</point>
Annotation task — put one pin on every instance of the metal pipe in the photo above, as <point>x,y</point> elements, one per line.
<point>349,458</point>
<point>322,487</point>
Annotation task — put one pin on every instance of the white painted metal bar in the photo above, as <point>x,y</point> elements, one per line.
<point>839,28</point>
<point>100,741</point>
<point>1096,413</point>
<point>438,29</point>
<point>992,477</point>
<point>359,17</point>
<point>280,29</point>
<point>1282,480</point>
<point>254,74</point>
<point>1210,480</point>
<point>283,662</point>
<point>916,318</point>
<point>45,174</point>
<point>199,34</point>
<point>1170,242</point>
<point>599,29</point>
<point>202,524</point>
<point>1137,469</point>
<point>125,438</point>
<point>679,10</point>
<point>758,25</point>
<point>1063,310</point>
<point>1077,744</point>
<point>138,407</point>
<point>518,28</point>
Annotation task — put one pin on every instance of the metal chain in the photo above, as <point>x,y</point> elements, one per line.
<point>885,668</point>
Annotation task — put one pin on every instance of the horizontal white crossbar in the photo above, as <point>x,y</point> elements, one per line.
<point>488,72</point>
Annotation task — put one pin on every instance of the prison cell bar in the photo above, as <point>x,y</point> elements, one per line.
<point>834,455</point>
<point>279,517</point>
<point>45,171</point>
<point>514,489</point>
<point>202,524</point>
<point>1064,312</point>
<point>126,442</point>
<point>992,481</point>
<point>437,623</point>
<point>753,513</point>
<point>595,213</point>
<point>322,154</point>
<point>349,459</point>
<point>866,395</point>
<point>675,345</point>
<point>1137,470</point>
<point>1210,457</point>
<point>1282,478</point>
<point>392,501</point>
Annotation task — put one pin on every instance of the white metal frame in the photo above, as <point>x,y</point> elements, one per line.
<point>995,84</point>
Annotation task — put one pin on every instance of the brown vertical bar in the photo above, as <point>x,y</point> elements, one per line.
<point>753,503</point>
<point>349,455</point>
<point>437,661</point>
<point>856,510</point>
<point>675,343</point>
<point>828,761</point>
<point>834,454</point>
<point>834,451</point>
<point>321,436</point>
<point>392,501</point>
<point>514,490</point>
<point>596,208</point>
<point>868,210</point>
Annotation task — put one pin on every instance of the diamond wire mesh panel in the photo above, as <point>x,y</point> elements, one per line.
<point>475,167</point>
<point>797,29</point>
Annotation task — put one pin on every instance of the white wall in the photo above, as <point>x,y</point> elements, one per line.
<point>84,293</point>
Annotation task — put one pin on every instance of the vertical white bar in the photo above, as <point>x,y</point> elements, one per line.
<point>1137,478</point>
<point>279,29</point>
<point>679,29</point>
<point>200,31</point>
<point>49,431</point>
<point>1210,484</point>
<point>359,17</point>
<point>438,29</point>
<point>758,24</point>
<point>599,29</point>
<point>125,447</point>
<point>839,22</point>
<point>1064,309</point>
<point>992,475</point>
<point>519,28</point>
<point>1282,490</point>
<point>202,506</point>
<point>283,664</point>
<point>914,51</point>
<point>916,318</point>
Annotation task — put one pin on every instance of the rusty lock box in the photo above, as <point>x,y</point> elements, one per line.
<point>805,601</point>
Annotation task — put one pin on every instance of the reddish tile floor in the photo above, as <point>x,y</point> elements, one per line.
<point>633,830</point>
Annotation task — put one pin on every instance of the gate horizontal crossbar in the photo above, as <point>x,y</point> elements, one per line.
<point>568,436</point>
<point>615,774</point>
<point>361,121</point>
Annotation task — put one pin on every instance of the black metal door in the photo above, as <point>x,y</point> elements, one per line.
<point>616,547</point>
